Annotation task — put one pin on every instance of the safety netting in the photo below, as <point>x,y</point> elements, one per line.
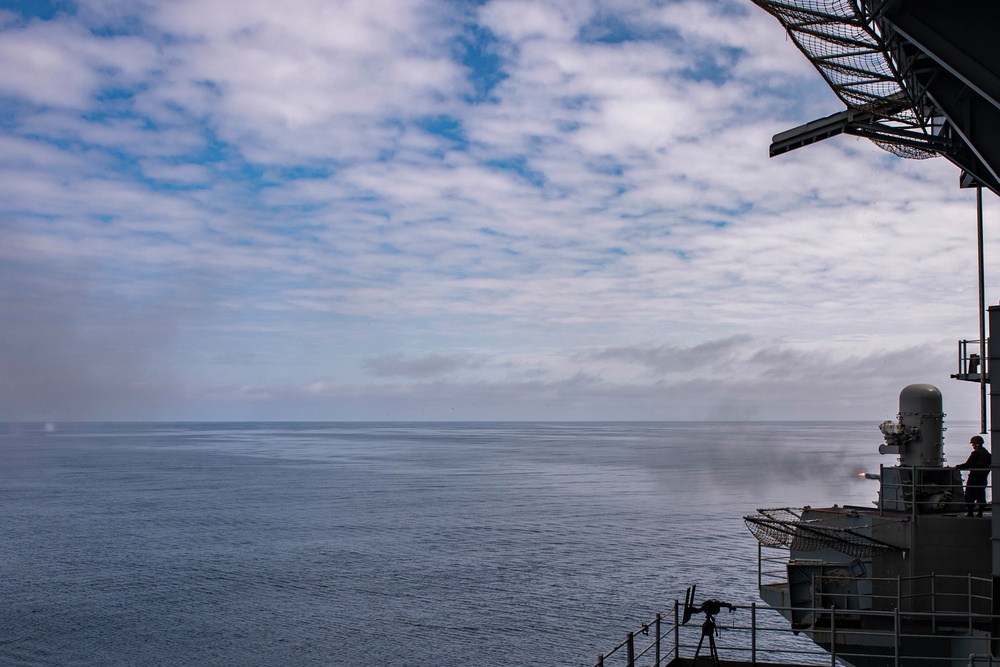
<point>784,527</point>
<point>844,44</point>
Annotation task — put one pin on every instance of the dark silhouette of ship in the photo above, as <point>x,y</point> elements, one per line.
<point>912,581</point>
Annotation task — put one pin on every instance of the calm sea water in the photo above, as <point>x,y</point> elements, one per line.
<point>391,544</point>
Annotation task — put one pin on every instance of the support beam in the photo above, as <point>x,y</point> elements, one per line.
<point>994,358</point>
<point>942,30</point>
<point>810,133</point>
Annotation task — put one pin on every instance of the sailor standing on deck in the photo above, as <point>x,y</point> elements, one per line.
<point>978,465</point>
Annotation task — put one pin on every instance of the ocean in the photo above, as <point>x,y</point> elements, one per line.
<point>397,544</point>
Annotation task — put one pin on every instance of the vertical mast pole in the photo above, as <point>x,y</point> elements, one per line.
<point>982,312</point>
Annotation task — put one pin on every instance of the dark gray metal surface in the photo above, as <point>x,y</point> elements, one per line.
<point>918,77</point>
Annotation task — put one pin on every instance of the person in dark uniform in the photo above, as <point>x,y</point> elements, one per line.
<point>978,465</point>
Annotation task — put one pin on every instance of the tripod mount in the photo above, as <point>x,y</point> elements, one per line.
<point>708,629</point>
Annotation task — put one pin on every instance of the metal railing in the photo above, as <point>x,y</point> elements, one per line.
<point>761,635</point>
<point>940,596</point>
<point>664,640</point>
<point>920,495</point>
<point>971,363</point>
<point>776,570</point>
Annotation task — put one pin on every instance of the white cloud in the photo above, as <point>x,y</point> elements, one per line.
<point>311,194</point>
<point>59,63</point>
<point>520,20</point>
<point>39,68</point>
<point>307,80</point>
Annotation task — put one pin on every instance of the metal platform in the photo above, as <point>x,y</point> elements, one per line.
<point>918,77</point>
<point>702,662</point>
<point>758,636</point>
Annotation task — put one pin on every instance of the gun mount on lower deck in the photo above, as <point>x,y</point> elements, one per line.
<point>915,553</point>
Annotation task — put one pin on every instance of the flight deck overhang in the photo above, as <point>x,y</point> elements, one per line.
<point>916,76</point>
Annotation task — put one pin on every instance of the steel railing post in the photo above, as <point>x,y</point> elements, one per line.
<point>833,636</point>
<point>968,606</point>
<point>881,489</point>
<point>753,633</point>
<point>631,649</point>
<point>933,602</point>
<point>812,602</point>
<point>677,630</point>
<point>895,631</point>
<point>658,639</point>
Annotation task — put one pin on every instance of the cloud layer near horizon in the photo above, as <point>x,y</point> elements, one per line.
<point>455,210</point>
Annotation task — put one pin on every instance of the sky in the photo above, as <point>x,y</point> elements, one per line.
<point>456,210</point>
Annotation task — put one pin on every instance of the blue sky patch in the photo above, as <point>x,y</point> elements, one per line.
<point>519,166</point>
<point>303,172</point>
<point>478,50</point>
<point>716,66</point>
<point>39,9</point>
<point>607,166</point>
<point>609,29</point>
<point>447,127</point>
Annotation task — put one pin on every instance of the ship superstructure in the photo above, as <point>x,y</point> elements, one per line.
<point>920,78</point>
<point>910,581</point>
<point>858,580</point>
